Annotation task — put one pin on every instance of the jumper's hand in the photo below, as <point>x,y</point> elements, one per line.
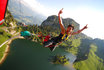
<point>85,27</point>
<point>60,12</point>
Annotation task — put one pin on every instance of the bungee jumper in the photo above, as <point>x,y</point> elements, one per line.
<point>64,35</point>
<point>53,42</point>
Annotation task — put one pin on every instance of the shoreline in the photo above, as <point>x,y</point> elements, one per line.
<point>6,52</point>
<point>8,49</point>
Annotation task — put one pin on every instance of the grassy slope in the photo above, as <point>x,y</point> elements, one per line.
<point>2,50</point>
<point>3,38</point>
<point>92,63</point>
<point>72,45</point>
<point>75,45</point>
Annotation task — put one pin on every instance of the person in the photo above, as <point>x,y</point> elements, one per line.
<point>64,35</point>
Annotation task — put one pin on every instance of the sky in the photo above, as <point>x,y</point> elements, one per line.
<point>84,12</point>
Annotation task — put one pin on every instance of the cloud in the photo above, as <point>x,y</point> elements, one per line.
<point>36,6</point>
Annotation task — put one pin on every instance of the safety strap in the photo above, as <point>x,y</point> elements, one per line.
<point>64,36</point>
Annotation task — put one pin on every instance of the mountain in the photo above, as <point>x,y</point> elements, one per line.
<point>24,13</point>
<point>53,21</point>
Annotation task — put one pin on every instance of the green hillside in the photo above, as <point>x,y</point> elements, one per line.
<point>93,62</point>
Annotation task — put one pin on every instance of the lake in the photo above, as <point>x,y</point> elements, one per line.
<point>28,55</point>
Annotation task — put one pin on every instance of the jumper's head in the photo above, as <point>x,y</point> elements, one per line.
<point>70,28</point>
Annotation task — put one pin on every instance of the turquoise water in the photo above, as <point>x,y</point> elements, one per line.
<point>28,55</point>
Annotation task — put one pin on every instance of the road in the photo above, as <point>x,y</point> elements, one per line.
<point>18,36</point>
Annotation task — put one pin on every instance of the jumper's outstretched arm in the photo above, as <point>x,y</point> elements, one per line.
<point>85,27</point>
<point>60,22</point>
